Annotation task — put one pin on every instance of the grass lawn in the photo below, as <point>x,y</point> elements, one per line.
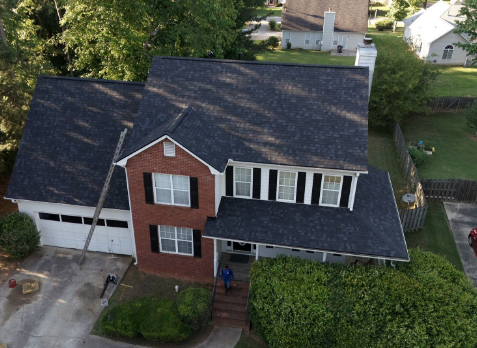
<point>304,57</point>
<point>269,11</point>
<point>382,154</point>
<point>436,236</point>
<point>382,11</point>
<point>455,155</point>
<point>147,285</point>
<point>457,81</point>
<point>250,340</point>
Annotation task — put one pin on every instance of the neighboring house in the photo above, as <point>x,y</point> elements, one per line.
<point>325,24</point>
<point>431,32</point>
<point>221,157</point>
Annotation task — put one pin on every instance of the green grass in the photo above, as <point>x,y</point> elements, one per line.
<point>456,154</point>
<point>269,11</point>
<point>456,81</point>
<point>382,11</point>
<point>436,236</point>
<point>250,340</point>
<point>302,56</point>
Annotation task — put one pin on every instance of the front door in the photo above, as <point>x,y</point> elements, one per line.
<point>242,247</point>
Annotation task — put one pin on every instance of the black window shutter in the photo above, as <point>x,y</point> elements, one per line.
<point>194,193</point>
<point>316,190</point>
<point>345,191</point>
<point>257,178</point>
<point>148,188</point>
<point>154,238</point>
<point>300,187</point>
<point>229,181</point>
<point>197,243</point>
<point>272,185</point>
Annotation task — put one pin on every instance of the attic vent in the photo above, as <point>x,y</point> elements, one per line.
<point>169,149</point>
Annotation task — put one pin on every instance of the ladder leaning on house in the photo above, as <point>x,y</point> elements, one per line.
<point>102,198</point>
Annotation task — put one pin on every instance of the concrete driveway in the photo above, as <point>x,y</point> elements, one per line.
<point>65,309</point>
<point>462,218</point>
<point>264,32</point>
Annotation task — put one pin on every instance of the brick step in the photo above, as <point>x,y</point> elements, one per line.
<point>238,307</point>
<point>230,298</point>
<point>234,291</point>
<point>230,314</point>
<point>225,322</point>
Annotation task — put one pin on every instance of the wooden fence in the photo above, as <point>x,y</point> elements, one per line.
<point>450,190</point>
<point>450,104</point>
<point>411,219</point>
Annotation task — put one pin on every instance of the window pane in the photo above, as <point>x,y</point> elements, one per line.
<point>180,182</point>
<point>163,196</point>
<point>286,193</point>
<point>184,233</point>
<point>243,174</point>
<point>181,197</point>
<point>184,247</point>
<point>286,186</point>
<point>330,197</point>
<point>162,181</point>
<point>168,245</point>
<point>242,189</point>
<point>167,232</point>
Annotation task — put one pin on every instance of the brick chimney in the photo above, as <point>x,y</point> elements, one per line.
<point>366,56</point>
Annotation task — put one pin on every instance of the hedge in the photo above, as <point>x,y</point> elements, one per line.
<point>384,24</point>
<point>424,303</point>
<point>194,306</point>
<point>18,235</point>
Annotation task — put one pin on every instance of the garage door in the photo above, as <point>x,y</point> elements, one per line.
<point>68,231</point>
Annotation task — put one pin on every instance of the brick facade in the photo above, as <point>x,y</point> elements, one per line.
<point>152,160</point>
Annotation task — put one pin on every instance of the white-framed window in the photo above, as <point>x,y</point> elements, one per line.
<point>287,36</point>
<point>307,38</point>
<point>286,186</point>
<point>243,182</point>
<point>331,190</point>
<point>319,37</point>
<point>169,149</point>
<point>176,240</point>
<point>448,52</point>
<point>171,189</point>
<point>335,39</point>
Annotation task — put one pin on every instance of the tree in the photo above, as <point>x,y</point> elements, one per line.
<point>397,11</point>
<point>468,27</point>
<point>471,117</point>
<point>413,5</point>
<point>402,85</point>
<point>273,41</point>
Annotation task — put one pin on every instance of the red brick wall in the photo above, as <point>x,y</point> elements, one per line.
<point>153,160</point>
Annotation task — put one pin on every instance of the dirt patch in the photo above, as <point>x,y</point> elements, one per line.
<point>7,266</point>
<point>6,206</point>
<point>473,137</point>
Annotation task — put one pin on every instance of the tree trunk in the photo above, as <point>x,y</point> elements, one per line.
<point>63,30</point>
<point>425,4</point>
<point>3,35</point>
<point>394,26</point>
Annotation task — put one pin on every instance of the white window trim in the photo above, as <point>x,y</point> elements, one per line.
<point>278,186</point>
<point>287,36</point>
<point>251,183</point>
<point>176,252</point>
<point>309,38</point>
<point>320,40</point>
<point>448,50</point>
<point>339,193</point>
<point>172,191</point>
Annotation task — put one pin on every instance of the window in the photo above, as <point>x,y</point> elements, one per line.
<point>448,51</point>
<point>287,37</point>
<point>331,190</point>
<point>169,149</point>
<point>72,219</point>
<point>51,217</point>
<point>89,221</point>
<point>171,189</point>
<point>176,240</point>
<point>117,223</point>
<point>286,186</point>
<point>307,38</point>
<point>319,37</point>
<point>243,182</point>
<point>335,39</point>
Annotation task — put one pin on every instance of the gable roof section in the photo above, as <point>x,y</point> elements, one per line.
<point>69,140</point>
<point>411,19</point>
<point>287,114</point>
<point>303,15</point>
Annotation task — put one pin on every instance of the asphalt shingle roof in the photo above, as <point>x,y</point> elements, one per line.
<point>303,15</point>
<point>372,228</point>
<point>287,114</point>
<point>69,140</point>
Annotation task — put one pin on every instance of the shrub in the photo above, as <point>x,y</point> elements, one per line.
<point>279,26</point>
<point>273,41</point>
<point>272,24</point>
<point>163,324</point>
<point>418,156</point>
<point>384,24</point>
<point>471,117</point>
<point>288,45</point>
<point>423,303</point>
<point>194,306</point>
<point>18,235</point>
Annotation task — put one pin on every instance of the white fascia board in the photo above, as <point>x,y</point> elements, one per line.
<point>280,166</point>
<point>318,250</point>
<point>123,162</point>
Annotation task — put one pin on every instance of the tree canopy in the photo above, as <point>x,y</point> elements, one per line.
<point>468,27</point>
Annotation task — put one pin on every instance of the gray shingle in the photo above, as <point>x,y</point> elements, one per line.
<point>69,140</point>
<point>372,228</point>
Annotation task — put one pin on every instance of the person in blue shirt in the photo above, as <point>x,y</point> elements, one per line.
<point>227,276</point>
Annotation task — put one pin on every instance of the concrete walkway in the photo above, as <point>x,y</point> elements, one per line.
<point>222,337</point>
<point>462,219</point>
<point>264,32</point>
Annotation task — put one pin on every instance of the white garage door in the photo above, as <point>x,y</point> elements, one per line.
<point>67,231</point>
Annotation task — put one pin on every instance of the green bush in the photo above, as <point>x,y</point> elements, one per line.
<point>273,41</point>
<point>164,325</point>
<point>423,303</point>
<point>18,235</point>
<point>272,24</point>
<point>384,24</point>
<point>194,306</point>
<point>288,45</point>
<point>419,157</point>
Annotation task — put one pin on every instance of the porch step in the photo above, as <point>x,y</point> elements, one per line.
<point>226,322</point>
<point>239,315</point>
<point>230,310</point>
<point>229,306</point>
<point>229,298</point>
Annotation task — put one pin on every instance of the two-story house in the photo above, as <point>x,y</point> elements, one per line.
<point>221,157</point>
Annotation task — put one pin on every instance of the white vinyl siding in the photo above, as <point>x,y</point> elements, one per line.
<point>307,38</point>
<point>243,182</point>
<point>286,188</point>
<point>176,240</point>
<point>331,190</point>
<point>171,189</point>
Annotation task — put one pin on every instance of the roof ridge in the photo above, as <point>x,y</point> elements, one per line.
<point>86,79</point>
<point>179,117</point>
